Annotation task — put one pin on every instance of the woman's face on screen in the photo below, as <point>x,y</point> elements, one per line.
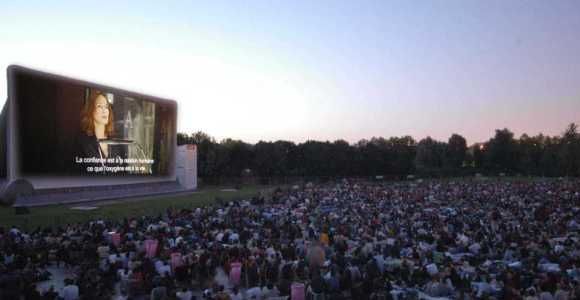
<point>101,114</point>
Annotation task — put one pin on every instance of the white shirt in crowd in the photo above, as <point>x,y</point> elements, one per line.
<point>113,258</point>
<point>266,292</point>
<point>103,252</point>
<point>124,274</point>
<point>70,292</point>
<point>254,293</point>
<point>184,295</point>
<point>237,296</point>
<point>162,268</point>
<point>546,296</point>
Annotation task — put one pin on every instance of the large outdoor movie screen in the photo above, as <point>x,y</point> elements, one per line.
<point>66,127</point>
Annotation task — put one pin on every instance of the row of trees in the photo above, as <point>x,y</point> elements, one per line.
<point>394,157</point>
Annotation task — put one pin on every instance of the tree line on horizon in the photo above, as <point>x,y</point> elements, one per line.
<point>395,157</point>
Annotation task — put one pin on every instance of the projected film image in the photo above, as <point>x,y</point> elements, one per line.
<point>70,128</point>
<point>115,138</point>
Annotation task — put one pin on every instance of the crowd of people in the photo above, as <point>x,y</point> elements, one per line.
<point>349,239</point>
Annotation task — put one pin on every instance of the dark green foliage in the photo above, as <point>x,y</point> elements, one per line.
<point>395,157</point>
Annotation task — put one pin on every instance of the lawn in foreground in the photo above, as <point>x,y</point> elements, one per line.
<point>61,215</point>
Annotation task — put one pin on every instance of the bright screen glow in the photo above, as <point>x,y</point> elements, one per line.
<point>67,127</point>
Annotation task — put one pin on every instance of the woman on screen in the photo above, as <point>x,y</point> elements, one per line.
<point>96,131</point>
<point>96,124</point>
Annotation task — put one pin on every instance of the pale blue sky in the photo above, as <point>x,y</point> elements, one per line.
<point>298,70</point>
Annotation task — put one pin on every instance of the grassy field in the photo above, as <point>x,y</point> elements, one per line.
<point>57,215</point>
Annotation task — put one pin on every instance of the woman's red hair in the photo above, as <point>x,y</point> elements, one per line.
<point>88,111</point>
